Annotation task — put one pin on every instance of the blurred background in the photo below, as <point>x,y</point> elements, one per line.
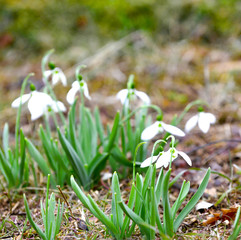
<point>178,50</point>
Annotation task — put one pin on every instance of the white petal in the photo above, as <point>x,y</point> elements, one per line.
<point>150,132</point>
<point>72,92</point>
<point>149,161</point>
<point>16,102</point>
<point>203,124</point>
<point>48,73</point>
<point>163,160</point>
<point>58,106</point>
<point>86,91</point>
<point>122,95</point>
<point>210,118</point>
<point>55,78</point>
<point>62,76</point>
<point>172,130</point>
<point>63,79</point>
<point>185,157</point>
<point>191,123</point>
<point>38,104</point>
<point>143,96</point>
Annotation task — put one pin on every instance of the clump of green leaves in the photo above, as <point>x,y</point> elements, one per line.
<point>51,221</point>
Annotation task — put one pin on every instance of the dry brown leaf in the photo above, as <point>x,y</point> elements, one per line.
<point>226,214</point>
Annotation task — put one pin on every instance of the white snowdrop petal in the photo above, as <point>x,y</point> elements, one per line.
<point>71,95</point>
<point>55,78</point>
<point>163,160</point>
<point>16,102</point>
<point>185,157</point>
<point>63,78</point>
<point>58,106</point>
<point>86,91</point>
<point>150,132</point>
<point>122,95</point>
<point>210,118</point>
<point>35,109</point>
<point>143,96</point>
<point>191,123</point>
<point>203,124</point>
<point>149,161</point>
<point>172,130</point>
<point>47,73</point>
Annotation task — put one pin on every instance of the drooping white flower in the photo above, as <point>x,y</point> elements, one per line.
<point>158,127</point>
<point>202,119</point>
<point>124,95</point>
<point>57,76</point>
<point>38,104</point>
<point>77,86</point>
<point>163,159</point>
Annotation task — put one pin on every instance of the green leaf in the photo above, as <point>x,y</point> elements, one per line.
<point>103,218</point>
<point>38,158</point>
<point>98,163</point>
<point>113,133</point>
<point>182,195</point>
<point>99,126</point>
<point>6,168</point>
<point>116,197</point>
<point>158,187</point>
<point>193,201</point>
<point>22,154</point>
<point>120,157</point>
<point>33,224</point>
<point>75,161</point>
<point>167,216</point>
<point>144,227</point>
<point>236,226</point>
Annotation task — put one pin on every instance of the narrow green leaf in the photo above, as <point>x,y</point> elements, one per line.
<point>193,201</point>
<point>236,226</point>
<point>144,227</point>
<point>33,224</point>
<point>116,197</point>
<point>23,155</point>
<point>167,216</point>
<point>38,158</point>
<point>103,218</point>
<point>113,133</point>
<point>183,193</point>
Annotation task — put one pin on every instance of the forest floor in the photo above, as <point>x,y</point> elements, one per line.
<point>172,75</point>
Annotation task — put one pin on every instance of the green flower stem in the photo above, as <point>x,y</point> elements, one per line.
<point>18,116</point>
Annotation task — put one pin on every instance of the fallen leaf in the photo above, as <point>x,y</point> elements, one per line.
<point>226,214</point>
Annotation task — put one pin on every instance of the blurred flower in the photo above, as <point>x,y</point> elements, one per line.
<point>77,86</point>
<point>163,159</point>
<point>57,75</point>
<point>203,120</point>
<point>125,94</point>
<point>38,103</point>
<point>158,127</point>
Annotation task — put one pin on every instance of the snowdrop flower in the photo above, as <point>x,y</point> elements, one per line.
<point>163,159</point>
<point>158,127</point>
<point>125,94</point>
<point>57,75</point>
<point>38,103</point>
<point>203,120</point>
<point>78,85</point>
